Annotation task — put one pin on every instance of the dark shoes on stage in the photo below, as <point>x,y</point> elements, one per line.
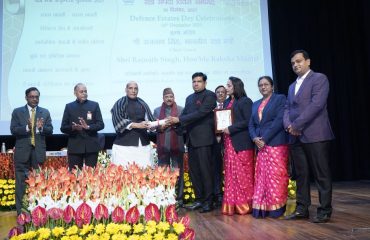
<point>193,206</point>
<point>204,207</point>
<point>321,219</point>
<point>297,215</point>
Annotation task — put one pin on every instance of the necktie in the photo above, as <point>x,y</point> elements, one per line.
<point>33,127</point>
<point>220,106</point>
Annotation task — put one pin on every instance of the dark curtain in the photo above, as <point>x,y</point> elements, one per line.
<point>336,34</point>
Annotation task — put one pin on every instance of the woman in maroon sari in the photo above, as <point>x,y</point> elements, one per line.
<point>238,156</point>
<point>267,131</point>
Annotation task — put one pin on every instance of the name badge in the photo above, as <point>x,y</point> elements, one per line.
<point>89,115</point>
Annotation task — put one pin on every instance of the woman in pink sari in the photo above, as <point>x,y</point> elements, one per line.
<point>238,156</point>
<point>267,131</point>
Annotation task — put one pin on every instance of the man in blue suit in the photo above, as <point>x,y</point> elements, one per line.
<point>82,120</point>
<point>29,124</point>
<point>307,122</point>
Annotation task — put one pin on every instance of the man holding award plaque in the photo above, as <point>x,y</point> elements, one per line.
<point>132,119</point>
<point>170,142</point>
<point>198,120</point>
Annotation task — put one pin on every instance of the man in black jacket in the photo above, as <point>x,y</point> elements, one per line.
<point>198,120</point>
<point>82,120</point>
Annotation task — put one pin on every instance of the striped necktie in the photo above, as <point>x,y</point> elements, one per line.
<point>33,127</point>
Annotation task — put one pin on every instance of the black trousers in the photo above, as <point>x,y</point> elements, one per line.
<point>218,165</point>
<point>177,162</point>
<point>22,168</point>
<point>77,159</point>
<point>314,157</point>
<point>201,173</point>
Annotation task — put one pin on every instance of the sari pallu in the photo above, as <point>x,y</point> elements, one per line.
<point>271,182</point>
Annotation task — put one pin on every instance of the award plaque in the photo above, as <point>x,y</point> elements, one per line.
<point>223,119</point>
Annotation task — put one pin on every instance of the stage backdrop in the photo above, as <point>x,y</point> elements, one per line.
<point>337,36</point>
<point>55,44</point>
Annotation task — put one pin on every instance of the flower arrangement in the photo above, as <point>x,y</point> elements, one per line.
<point>85,204</point>
<point>189,195</point>
<point>6,166</point>
<point>292,186</point>
<point>84,223</point>
<point>55,162</point>
<point>7,194</point>
<point>112,185</point>
<point>104,159</point>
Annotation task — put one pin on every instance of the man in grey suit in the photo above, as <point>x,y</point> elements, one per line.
<point>307,122</point>
<point>29,124</point>
<point>170,143</point>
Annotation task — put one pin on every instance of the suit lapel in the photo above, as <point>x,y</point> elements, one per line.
<point>267,107</point>
<point>304,83</point>
<point>26,114</point>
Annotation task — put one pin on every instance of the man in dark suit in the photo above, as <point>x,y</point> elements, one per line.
<point>29,124</point>
<point>198,120</point>
<point>306,120</point>
<point>217,151</point>
<point>82,120</point>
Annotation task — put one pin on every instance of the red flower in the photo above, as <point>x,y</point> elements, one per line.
<point>185,221</point>
<point>118,215</point>
<point>68,214</point>
<point>39,216</point>
<point>101,211</point>
<point>132,215</point>
<point>152,213</point>
<point>188,234</point>
<point>171,214</point>
<point>55,213</point>
<point>15,231</point>
<point>23,218</point>
<point>83,215</point>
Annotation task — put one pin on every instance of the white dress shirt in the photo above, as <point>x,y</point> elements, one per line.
<point>300,81</point>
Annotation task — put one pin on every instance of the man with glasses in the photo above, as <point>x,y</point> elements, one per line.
<point>29,124</point>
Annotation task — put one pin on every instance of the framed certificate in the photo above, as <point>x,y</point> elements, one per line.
<point>223,119</point>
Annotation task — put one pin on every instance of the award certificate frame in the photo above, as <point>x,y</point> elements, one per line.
<point>223,119</point>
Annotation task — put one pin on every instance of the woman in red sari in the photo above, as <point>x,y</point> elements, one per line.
<point>238,156</point>
<point>267,131</point>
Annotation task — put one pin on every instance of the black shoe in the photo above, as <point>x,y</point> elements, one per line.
<point>297,216</point>
<point>193,206</point>
<point>321,219</point>
<point>206,208</point>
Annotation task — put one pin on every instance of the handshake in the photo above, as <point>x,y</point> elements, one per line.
<point>162,124</point>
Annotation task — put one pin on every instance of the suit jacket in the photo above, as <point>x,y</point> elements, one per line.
<point>239,131</point>
<point>307,112</point>
<point>271,127</point>
<point>85,141</point>
<point>198,118</point>
<point>23,145</point>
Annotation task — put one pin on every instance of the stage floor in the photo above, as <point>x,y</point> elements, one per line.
<point>350,220</point>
